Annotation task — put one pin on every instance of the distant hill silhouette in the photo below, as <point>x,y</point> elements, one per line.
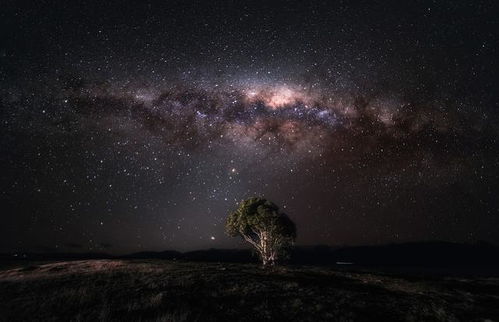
<point>422,254</point>
<point>222,255</point>
<point>428,254</point>
<point>53,256</point>
<point>168,254</point>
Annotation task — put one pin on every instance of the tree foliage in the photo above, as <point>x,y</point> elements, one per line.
<point>261,224</point>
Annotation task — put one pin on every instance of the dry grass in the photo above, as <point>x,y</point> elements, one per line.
<point>117,290</point>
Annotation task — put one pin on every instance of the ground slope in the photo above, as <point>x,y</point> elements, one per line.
<point>155,290</point>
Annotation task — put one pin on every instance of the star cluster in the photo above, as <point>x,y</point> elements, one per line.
<point>128,127</point>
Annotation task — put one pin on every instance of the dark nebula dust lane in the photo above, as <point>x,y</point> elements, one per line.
<point>131,127</point>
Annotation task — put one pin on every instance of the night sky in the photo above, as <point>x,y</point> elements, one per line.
<point>139,126</point>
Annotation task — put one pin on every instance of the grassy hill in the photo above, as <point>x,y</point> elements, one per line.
<point>159,290</point>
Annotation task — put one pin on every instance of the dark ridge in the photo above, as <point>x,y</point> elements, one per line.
<point>421,254</point>
<point>222,255</point>
<point>168,254</point>
<point>53,256</point>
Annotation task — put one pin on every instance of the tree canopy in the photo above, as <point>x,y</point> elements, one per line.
<point>261,224</point>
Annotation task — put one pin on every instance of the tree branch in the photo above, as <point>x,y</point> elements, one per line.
<point>251,241</point>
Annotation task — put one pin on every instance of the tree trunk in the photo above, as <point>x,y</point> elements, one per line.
<point>264,261</point>
<point>267,260</point>
<point>267,252</point>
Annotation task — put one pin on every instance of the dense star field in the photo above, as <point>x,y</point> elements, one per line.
<point>139,126</point>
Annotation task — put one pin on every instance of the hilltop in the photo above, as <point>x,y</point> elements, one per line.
<point>164,290</point>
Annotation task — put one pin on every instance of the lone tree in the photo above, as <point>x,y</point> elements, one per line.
<point>261,224</point>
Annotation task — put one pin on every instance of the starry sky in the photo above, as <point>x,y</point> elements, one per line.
<point>130,126</point>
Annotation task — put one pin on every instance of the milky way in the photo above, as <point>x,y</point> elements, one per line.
<point>136,129</point>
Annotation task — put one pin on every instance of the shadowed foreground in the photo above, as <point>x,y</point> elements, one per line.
<point>181,291</point>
